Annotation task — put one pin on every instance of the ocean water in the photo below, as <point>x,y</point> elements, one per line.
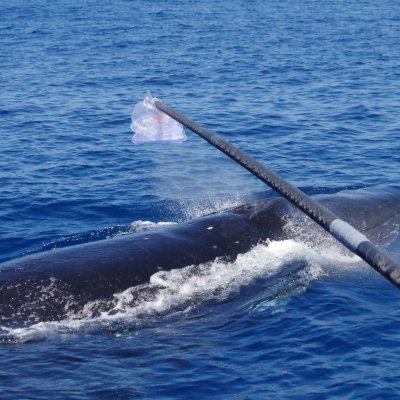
<point>309,88</point>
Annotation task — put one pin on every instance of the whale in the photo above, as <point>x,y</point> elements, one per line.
<point>55,284</point>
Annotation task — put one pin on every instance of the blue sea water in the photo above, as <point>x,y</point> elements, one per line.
<point>310,88</point>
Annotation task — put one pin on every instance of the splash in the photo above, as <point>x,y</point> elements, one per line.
<point>181,291</point>
<point>142,226</point>
<point>191,210</point>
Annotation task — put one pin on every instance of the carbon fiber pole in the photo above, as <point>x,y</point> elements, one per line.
<point>354,240</point>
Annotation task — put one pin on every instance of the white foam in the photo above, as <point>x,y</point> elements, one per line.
<point>182,290</point>
<point>332,254</point>
<point>141,226</point>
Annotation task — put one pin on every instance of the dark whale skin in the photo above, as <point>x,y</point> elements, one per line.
<point>48,286</point>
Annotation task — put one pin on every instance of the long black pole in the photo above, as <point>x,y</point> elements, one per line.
<point>354,240</point>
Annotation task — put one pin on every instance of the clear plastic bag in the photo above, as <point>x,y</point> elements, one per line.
<point>151,125</point>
